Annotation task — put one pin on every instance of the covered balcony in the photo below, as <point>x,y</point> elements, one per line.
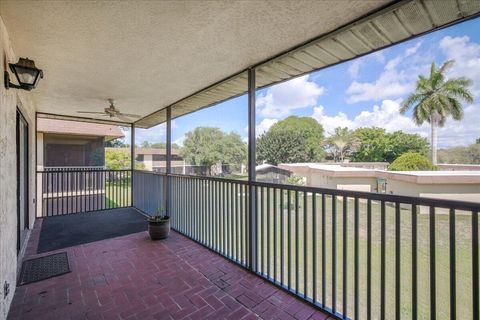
<point>240,247</point>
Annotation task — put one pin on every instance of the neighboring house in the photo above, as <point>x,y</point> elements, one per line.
<point>156,159</point>
<point>272,174</point>
<point>63,143</point>
<point>454,185</point>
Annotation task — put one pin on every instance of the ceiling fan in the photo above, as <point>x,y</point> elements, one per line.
<point>113,112</point>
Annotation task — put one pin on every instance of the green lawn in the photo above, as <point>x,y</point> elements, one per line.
<point>463,253</point>
<point>118,194</point>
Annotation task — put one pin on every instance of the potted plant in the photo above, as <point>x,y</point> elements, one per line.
<point>159,225</point>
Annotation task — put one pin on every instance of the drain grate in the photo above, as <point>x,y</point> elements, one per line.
<point>43,268</point>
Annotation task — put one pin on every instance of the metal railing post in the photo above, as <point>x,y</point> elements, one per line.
<point>167,187</point>
<point>252,230</point>
<point>132,161</point>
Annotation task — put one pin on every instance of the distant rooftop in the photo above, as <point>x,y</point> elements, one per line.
<point>57,126</point>
<point>421,177</point>
<point>154,151</point>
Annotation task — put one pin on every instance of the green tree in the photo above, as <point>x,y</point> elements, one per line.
<point>233,149</point>
<point>436,98</point>
<point>115,143</point>
<point>117,159</point>
<point>342,143</point>
<point>163,145</point>
<point>294,139</point>
<point>460,155</point>
<point>378,145</point>
<point>206,146</point>
<point>145,144</point>
<point>295,180</point>
<point>477,141</point>
<point>411,161</point>
<point>374,145</point>
<point>400,142</point>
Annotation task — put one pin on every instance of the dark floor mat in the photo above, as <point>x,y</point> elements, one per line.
<point>43,268</point>
<point>74,229</point>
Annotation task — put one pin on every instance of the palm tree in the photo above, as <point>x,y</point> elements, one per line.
<point>342,142</point>
<point>435,98</point>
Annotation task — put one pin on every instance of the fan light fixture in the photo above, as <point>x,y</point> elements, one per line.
<point>26,73</point>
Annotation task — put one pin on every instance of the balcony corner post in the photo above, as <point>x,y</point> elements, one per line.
<point>132,161</point>
<point>252,226</point>
<point>169,161</point>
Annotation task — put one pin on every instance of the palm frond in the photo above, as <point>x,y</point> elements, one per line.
<point>446,65</point>
<point>433,69</point>
<point>456,109</point>
<point>458,88</point>
<point>411,100</point>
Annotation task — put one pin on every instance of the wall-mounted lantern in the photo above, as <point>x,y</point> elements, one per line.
<point>26,72</point>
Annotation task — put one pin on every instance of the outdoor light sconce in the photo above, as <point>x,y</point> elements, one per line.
<point>26,72</point>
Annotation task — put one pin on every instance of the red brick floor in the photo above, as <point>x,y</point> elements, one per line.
<point>131,277</point>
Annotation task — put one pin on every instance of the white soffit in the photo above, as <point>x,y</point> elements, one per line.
<point>394,24</point>
<point>82,119</point>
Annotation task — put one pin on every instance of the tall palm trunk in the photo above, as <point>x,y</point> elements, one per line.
<point>434,137</point>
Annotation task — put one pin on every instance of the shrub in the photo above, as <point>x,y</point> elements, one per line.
<point>411,161</point>
<point>295,180</point>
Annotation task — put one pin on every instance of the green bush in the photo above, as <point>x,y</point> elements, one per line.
<point>295,180</point>
<point>412,161</point>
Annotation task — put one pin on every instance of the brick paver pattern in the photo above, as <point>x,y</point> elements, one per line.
<point>132,277</point>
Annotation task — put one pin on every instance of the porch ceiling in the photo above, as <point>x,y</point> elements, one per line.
<point>149,54</point>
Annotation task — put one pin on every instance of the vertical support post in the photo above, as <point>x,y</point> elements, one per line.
<point>132,160</point>
<point>169,160</point>
<point>252,253</point>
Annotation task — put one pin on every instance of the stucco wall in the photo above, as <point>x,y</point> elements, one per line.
<point>463,192</point>
<point>317,179</point>
<point>9,100</point>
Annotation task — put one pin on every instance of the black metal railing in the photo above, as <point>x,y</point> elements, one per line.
<point>149,191</point>
<point>353,254</point>
<point>213,212</point>
<point>72,191</point>
<point>73,168</point>
<point>364,255</point>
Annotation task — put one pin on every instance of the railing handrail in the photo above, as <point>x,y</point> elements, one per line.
<point>71,191</point>
<point>419,201</point>
<point>96,170</point>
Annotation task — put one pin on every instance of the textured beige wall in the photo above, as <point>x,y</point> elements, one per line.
<point>9,100</point>
<point>462,192</point>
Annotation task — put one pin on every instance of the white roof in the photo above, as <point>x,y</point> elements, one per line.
<point>327,167</point>
<point>438,173</point>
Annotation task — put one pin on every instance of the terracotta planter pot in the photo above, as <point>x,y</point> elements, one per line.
<point>159,229</point>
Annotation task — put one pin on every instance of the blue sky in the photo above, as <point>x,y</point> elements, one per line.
<point>364,92</point>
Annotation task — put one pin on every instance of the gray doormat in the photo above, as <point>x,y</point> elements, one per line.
<point>43,268</point>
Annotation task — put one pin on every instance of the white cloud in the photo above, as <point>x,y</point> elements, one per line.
<point>392,83</point>
<point>412,50</point>
<point>462,133</point>
<point>281,99</point>
<point>354,68</point>
<point>329,123</point>
<point>467,59</point>
<point>387,115</point>
<point>263,127</point>
<point>180,141</point>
